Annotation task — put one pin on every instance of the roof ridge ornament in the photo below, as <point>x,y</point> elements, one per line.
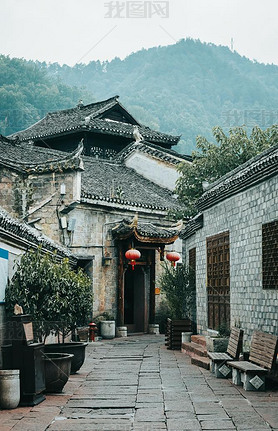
<point>137,135</point>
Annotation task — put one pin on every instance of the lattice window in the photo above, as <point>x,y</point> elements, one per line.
<point>218,280</point>
<point>192,258</point>
<point>96,152</point>
<point>109,153</point>
<point>270,255</point>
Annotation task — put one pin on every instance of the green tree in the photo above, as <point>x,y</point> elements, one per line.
<point>178,285</point>
<point>57,297</point>
<point>213,160</point>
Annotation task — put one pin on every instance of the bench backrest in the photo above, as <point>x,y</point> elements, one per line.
<point>235,343</point>
<point>263,349</point>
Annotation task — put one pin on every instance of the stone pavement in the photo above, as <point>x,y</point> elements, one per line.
<point>136,384</point>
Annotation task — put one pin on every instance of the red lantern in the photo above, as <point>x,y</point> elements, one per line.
<point>173,257</point>
<point>132,255</point>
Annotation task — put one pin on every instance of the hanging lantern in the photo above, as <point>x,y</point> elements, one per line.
<point>132,255</point>
<point>173,257</point>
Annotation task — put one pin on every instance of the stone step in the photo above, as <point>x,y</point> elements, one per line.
<point>193,349</point>
<point>200,362</point>
<point>199,339</point>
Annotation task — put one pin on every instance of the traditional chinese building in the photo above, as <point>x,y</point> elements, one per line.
<point>98,182</point>
<point>233,245</point>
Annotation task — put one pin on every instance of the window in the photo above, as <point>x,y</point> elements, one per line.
<point>270,255</point>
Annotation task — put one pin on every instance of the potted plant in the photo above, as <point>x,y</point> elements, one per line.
<point>57,297</point>
<point>178,285</point>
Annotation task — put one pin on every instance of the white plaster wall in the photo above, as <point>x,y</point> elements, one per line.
<point>162,173</point>
<point>242,215</point>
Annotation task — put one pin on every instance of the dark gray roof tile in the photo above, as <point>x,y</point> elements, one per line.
<point>114,182</point>
<point>243,177</point>
<point>89,118</point>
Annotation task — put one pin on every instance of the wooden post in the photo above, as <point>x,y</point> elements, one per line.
<point>152,286</point>
<point>120,316</point>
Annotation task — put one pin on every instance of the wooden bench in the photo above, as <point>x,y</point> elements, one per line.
<point>218,360</point>
<point>252,373</point>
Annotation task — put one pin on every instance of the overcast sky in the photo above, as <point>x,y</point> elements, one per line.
<point>72,31</point>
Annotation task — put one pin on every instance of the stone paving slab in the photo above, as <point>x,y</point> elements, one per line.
<point>183,425</point>
<point>139,385</point>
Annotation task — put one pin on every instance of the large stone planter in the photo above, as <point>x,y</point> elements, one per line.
<point>9,389</point>
<point>75,348</point>
<point>107,329</point>
<point>57,371</point>
<point>217,344</point>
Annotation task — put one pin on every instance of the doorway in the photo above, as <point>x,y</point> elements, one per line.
<point>135,299</point>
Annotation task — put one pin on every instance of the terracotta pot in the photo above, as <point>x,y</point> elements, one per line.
<point>57,371</point>
<point>76,348</point>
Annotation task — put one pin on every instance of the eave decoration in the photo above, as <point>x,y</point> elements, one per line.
<point>147,232</point>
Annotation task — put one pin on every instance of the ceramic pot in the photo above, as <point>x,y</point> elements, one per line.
<point>75,348</point>
<point>57,371</point>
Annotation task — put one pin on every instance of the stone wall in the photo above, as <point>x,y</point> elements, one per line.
<point>242,215</point>
<point>38,196</point>
<point>8,185</point>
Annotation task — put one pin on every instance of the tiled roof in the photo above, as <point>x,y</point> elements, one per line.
<point>243,177</point>
<point>161,153</point>
<point>107,182</point>
<point>114,183</point>
<point>22,232</point>
<point>147,232</point>
<point>29,158</point>
<point>192,226</point>
<point>89,118</point>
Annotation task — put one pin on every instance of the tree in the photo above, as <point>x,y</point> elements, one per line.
<point>213,160</point>
<point>57,297</point>
<point>178,284</point>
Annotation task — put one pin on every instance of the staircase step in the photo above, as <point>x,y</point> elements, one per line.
<point>199,339</point>
<point>200,362</point>
<point>193,349</point>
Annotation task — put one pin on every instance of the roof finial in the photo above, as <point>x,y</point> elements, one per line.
<point>80,103</point>
<point>137,135</point>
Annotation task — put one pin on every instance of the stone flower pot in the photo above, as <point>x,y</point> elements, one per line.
<point>75,348</point>
<point>9,389</point>
<point>107,329</point>
<point>57,371</point>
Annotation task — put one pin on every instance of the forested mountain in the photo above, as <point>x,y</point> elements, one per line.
<point>186,88</point>
<point>27,93</point>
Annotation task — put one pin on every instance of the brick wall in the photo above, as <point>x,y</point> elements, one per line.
<point>242,215</point>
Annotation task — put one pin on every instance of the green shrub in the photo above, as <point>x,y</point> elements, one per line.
<point>178,284</point>
<point>57,298</point>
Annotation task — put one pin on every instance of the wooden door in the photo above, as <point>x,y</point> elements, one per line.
<point>218,280</point>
